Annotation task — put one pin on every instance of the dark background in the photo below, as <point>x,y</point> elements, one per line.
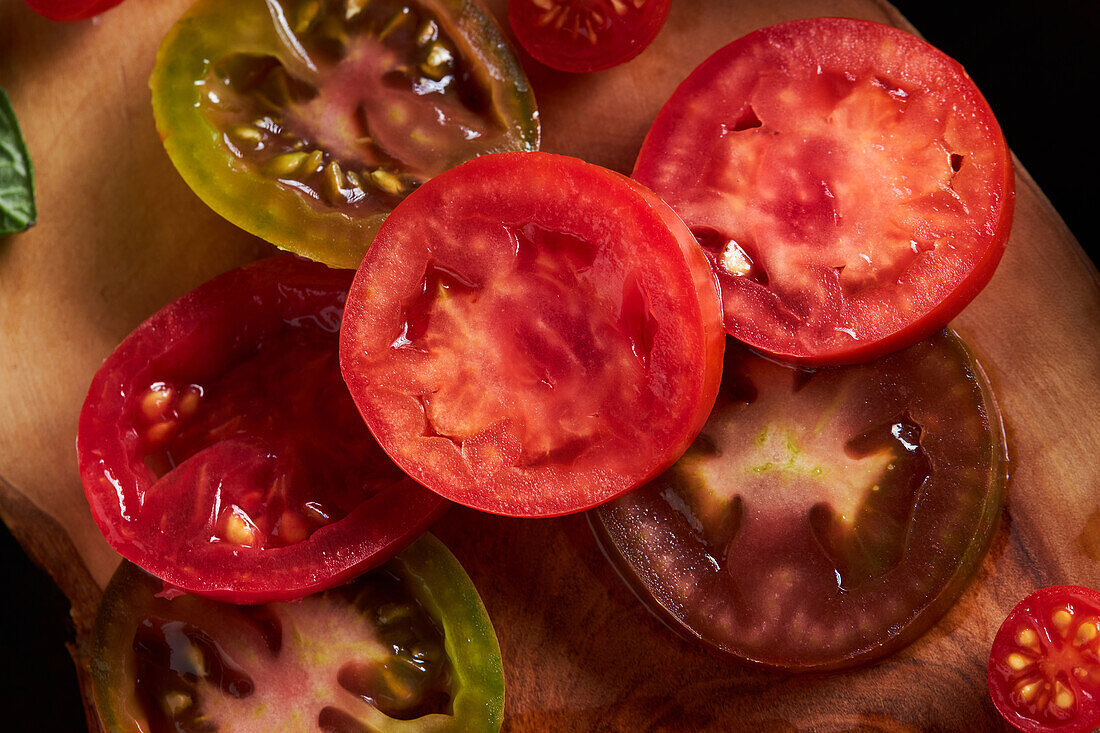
<point>1036,64</point>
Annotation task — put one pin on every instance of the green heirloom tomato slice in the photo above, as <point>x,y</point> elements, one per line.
<point>850,186</point>
<point>306,121</point>
<point>533,335</point>
<point>406,647</point>
<point>822,518</point>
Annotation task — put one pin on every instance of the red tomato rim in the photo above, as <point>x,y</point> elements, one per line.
<point>367,536</point>
<point>69,10</point>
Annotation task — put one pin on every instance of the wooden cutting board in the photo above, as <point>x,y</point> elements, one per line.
<point>120,235</point>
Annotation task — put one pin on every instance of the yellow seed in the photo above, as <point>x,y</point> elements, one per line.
<point>1027,638</point>
<point>1063,696</point>
<point>334,183</point>
<point>284,166</point>
<point>292,528</point>
<point>354,7</point>
<point>156,401</point>
<point>1028,691</point>
<point>1017,661</point>
<point>387,181</point>
<point>314,161</point>
<point>247,135</point>
<point>307,13</point>
<point>427,33</point>
<point>1061,620</point>
<point>189,402</point>
<point>354,179</point>
<point>1086,632</point>
<point>238,529</point>
<point>160,433</point>
<point>437,62</point>
<point>619,6</point>
<point>175,702</point>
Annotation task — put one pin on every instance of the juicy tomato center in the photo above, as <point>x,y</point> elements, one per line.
<point>371,100</point>
<point>298,455</point>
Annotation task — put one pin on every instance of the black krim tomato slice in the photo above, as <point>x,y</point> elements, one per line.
<point>586,35</point>
<point>1044,667</point>
<point>70,9</point>
<point>848,182</point>
<point>822,518</point>
<point>305,121</point>
<point>532,335</point>
<point>406,647</point>
<point>220,450</point>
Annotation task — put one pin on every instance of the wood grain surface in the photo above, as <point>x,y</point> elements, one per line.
<point>120,235</point>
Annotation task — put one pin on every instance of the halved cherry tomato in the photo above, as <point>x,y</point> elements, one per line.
<point>533,335</point>
<point>1044,667</point>
<point>305,121</point>
<point>70,9</point>
<point>586,35</point>
<point>821,519</point>
<point>848,181</point>
<point>406,647</point>
<point>221,452</point>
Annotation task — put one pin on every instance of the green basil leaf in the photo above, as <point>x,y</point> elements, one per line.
<point>17,210</point>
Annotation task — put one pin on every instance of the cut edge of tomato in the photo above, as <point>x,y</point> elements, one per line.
<point>70,10</point>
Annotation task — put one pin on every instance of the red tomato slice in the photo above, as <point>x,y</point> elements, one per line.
<point>1044,667</point>
<point>70,9</point>
<point>220,450</point>
<point>532,335</point>
<point>586,35</point>
<point>848,181</point>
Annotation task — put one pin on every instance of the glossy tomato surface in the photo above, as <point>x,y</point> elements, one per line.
<point>220,450</point>
<point>586,35</point>
<point>821,518</point>
<point>305,121</point>
<point>406,647</point>
<point>1044,667</point>
<point>70,9</point>
<point>532,335</point>
<point>848,181</point>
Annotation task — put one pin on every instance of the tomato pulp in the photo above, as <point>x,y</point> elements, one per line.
<point>405,647</point>
<point>532,335</point>
<point>220,450</point>
<point>305,122</point>
<point>821,518</point>
<point>586,35</point>
<point>1044,666</point>
<point>848,181</point>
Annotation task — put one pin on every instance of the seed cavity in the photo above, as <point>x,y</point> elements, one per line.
<point>1028,690</point>
<point>1016,661</point>
<point>1086,632</point>
<point>1063,696</point>
<point>1061,619</point>
<point>1027,638</point>
<point>156,401</point>
<point>239,528</point>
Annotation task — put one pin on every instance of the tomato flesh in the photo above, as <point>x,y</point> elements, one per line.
<point>220,449</point>
<point>820,519</point>
<point>848,181</point>
<point>586,35</point>
<point>305,122</point>
<point>1044,666</point>
<point>407,646</point>
<point>70,9</point>
<point>531,335</point>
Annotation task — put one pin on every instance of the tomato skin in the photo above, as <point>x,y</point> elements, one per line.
<point>802,129</point>
<point>211,30</point>
<point>70,9</point>
<point>615,30</point>
<point>167,524</point>
<point>429,575</point>
<point>532,335</point>
<point>1051,636</point>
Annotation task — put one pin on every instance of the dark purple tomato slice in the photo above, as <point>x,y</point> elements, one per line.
<point>849,183</point>
<point>220,450</point>
<point>406,647</point>
<point>532,335</point>
<point>1044,666</point>
<point>821,518</point>
<point>586,35</point>
<point>306,121</point>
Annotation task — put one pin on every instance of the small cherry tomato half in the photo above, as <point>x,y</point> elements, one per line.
<point>847,180</point>
<point>70,9</point>
<point>406,647</point>
<point>822,518</point>
<point>305,121</point>
<point>221,452</point>
<point>586,35</point>
<point>1044,667</point>
<point>532,335</point>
